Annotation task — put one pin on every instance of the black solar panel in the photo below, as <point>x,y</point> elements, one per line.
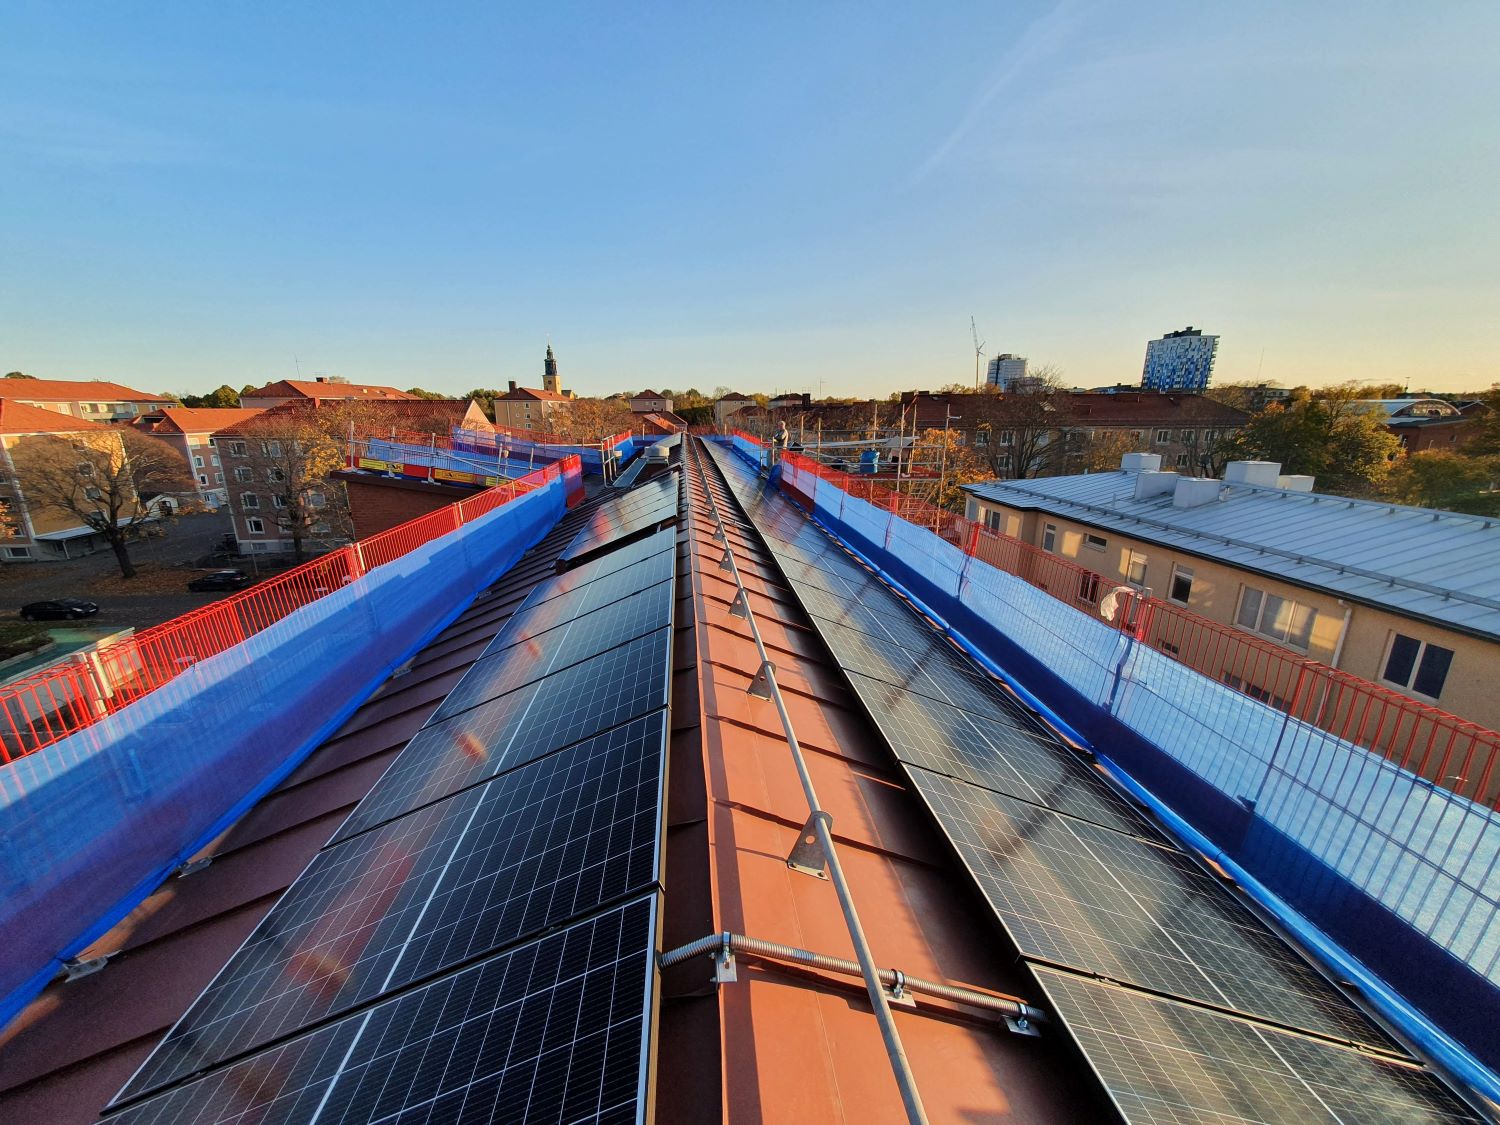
<point>541,616</point>
<point>549,841</point>
<point>557,1030</point>
<point>531,656</point>
<point>601,692</point>
<point>638,510</point>
<point>654,555</point>
<point>1075,894</point>
<point>991,752</point>
<point>1166,1063</point>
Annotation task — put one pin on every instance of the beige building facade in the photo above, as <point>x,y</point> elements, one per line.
<point>1450,668</point>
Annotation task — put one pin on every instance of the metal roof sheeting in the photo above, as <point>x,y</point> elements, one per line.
<point>1440,566</point>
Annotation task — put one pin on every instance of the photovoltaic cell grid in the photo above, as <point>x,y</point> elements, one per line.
<point>539,616</point>
<point>639,509</point>
<point>531,657</point>
<point>552,840</point>
<point>654,554</point>
<point>565,707</point>
<point>556,1030</point>
<point>1102,896</point>
<point>1166,1063</point>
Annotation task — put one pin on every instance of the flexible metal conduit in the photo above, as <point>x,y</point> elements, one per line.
<point>891,978</point>
<point>821,824</point>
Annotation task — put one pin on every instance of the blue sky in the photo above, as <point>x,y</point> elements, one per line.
<point>771,197</point>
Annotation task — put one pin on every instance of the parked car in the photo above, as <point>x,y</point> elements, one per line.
<point>220,580</point>
<point>60,609</point>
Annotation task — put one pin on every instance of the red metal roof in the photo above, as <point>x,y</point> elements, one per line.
<point>19,418</point>
<point>76,390</point>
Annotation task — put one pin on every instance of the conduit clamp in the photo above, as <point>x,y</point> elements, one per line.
<point>724,971</point>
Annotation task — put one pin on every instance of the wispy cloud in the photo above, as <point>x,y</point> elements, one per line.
<point>1043,38</point>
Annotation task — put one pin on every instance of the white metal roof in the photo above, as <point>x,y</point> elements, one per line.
<point>1441,566</point>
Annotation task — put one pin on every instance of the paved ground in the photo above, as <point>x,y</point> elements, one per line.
<point>158,593</point>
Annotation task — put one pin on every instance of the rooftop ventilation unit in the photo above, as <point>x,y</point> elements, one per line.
<point>1194,492</point>
<point>1140,462</point>
<point>1151,483</point>
<point>1265,474</point>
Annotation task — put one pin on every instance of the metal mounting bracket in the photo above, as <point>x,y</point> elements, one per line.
<point>808,856</point>
<point>727,561</point>
<point>186,869</point>
<point>724,971</point>
<point>719,533</point>
<point>739,607</point>
<point>76,970</point>
<point>761,685</point>
<point>1020,1025</point>
<point>897,993</point>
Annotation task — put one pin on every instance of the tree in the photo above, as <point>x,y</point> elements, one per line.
<point>225,397</point>
<point>1454,482</point>
<point>110,480</point>
<point>1025,427</point>
<point>1485,441</point>
<point>952,465</point>
<point>290,453</point>
<point>18,375</point>
<point>588,420</point>
<point>1327,434</point>
<point>420,393</point>
<point>1104,448</point>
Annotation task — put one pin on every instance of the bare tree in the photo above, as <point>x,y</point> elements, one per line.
<point>289,455</point>
<point>1025,428</point>
<point>108,479</point>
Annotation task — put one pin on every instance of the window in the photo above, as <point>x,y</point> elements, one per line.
<point>93,493</point>
<point>1088,587</point>
<point>1135,570</point>
<point>249,501</point>
<point>197,462</point>
<point>278,501</point>
<point>1210,436</point>
<point>992,519</point>
<point>315,500</point>
<point>18,552</point>
<point>1417,665</point>
<point>1007,437</point>
<point>982,438</point>
<point>202,478</point>
<point>85,468</point>
<point>271,448</point>
<point>214,457</point>
<point>1189,436</point>
<point>1181,588</point>
<point>1182,460</point>
<point>1097,542</point>
<point>1163,437</point>
<point>218,478</point>
<point>236,449</point>
<point>1136,435</point>
<point>244,475</point>
<point>1049,537</point>
<point>1003,462</point>
<point>1271,615</point>
<point>275,476</point>
<point>254,526</point>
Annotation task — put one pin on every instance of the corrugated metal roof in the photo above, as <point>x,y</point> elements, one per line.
<point>1443,567</point>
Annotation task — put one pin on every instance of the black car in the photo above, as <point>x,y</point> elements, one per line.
<point>61,609</point>
<point>220,580</point>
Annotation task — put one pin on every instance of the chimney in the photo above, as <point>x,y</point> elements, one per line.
<point>1194,492</point>
<point>1296,483</point>
<point>1152,483</point>
<point>1140,462</point>
<point>512,384</point>
<point>1264,474</point>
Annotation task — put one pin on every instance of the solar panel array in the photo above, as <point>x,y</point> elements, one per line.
<point>477,941</point>
<point>1087,888</point>
<point>644,508</point>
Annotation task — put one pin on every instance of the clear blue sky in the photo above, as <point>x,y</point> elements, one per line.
<point>783,196</point>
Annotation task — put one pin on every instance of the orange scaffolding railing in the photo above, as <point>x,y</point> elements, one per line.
<point>52,704</point>
<point>1455,753</point>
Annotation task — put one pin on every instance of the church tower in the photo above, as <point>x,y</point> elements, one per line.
<point>550,379</point>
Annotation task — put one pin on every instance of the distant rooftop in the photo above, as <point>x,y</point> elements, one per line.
<point>1436,565</point>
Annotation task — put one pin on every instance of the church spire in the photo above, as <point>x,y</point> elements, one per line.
<point>550,379</point>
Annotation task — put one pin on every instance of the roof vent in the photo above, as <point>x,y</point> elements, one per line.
<point>1194,492</point>
<point>1151,483</point>
<point>1262,473</point>
<point>1140,462</point>
<point>1296,483</point>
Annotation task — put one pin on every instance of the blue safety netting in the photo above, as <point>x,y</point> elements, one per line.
<point>1382,871</point>
<point>520,452</point>
<point>93,823</point>
<point>453,461</point>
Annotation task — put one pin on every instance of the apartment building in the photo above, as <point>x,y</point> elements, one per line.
<point>318,391</point>
<point>190,432</point>
<point>90,399</point>
<point>1405,597</point>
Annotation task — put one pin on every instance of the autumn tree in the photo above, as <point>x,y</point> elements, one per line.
<point>948,463</point>
<point>589,420</point>
<point>108,479</point>
<point>1329,434</point>
<point>1453,482</point>
<point>287,456</point>
<point>1485,441</point>
<point>1025,427</point>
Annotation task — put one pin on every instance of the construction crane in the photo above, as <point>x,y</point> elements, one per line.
<point>978,350</point>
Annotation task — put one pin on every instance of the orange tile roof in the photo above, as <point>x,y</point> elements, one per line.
<point>19,418</point>
<point>206,420</point>
<point>66,390</point>
<point>305,389</point>
<point>535,392</point>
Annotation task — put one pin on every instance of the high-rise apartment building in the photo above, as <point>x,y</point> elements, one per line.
<point>1180,361</point>
<point>1007,371</point>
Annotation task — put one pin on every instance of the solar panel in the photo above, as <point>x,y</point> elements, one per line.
<point>551,840</point>
<point>537,618</point>
<point>1166,1063</point>
<point>642,508</point>
<point>1075,894</point>
<point>530,656</point>
<point>627,478</point>
<point>992,753</point>
<point>556,1030</point>
<point>575,703</point>
<point>653,558</point>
